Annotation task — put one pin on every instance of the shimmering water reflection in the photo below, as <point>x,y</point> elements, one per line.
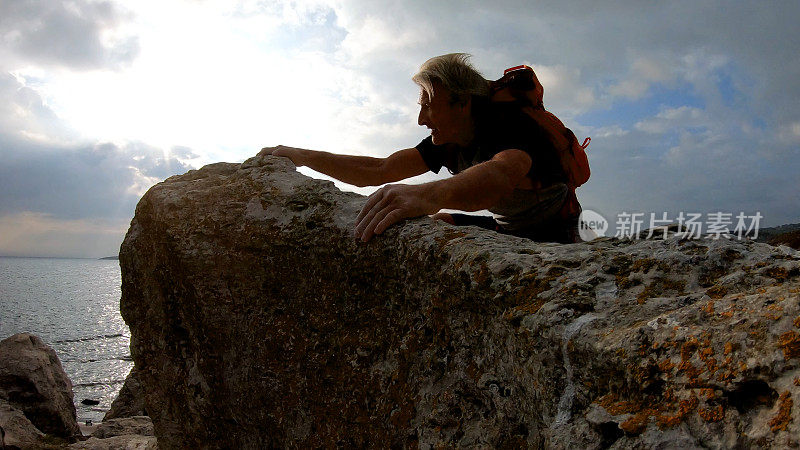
<point>73,305</point>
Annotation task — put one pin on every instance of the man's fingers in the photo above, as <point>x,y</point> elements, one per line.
<point>367,214</point>
<point>280,150</point>
<point>390,219</point>
<point>376,219</point>
<point>384,208</point>
<point>372,200</point>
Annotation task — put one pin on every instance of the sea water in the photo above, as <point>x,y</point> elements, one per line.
<point>73,305</point>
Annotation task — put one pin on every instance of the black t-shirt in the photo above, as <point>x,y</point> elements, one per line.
<point>499,126</point>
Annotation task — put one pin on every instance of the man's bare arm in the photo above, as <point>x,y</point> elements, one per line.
<point>483,185</point>
<point>356,170</point>
<point>478,187</point>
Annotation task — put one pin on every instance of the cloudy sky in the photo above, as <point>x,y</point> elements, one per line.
<point>692,106</point>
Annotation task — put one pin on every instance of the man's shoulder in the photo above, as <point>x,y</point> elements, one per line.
<point>508,116</point>
<point>506,124</point>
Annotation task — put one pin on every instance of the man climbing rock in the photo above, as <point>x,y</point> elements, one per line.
<point>502,160</point>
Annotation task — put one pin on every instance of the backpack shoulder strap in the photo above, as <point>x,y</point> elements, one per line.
<point>518,84</point>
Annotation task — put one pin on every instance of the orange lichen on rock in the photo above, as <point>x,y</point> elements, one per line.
<point>688,348</point>
<point>660,286</point>
<point>685,407</point>
<point>784,416</point>
<point>610,402</point>
<point>666,365</point>
<point>778,273</point>
<point>797,321</point>
<point>728,348</point>
<point>727,376</point>
<point>711,365</point>
<point>728,369</point>
<point>690,370</point>
<point>713,414</point>
<point>686,367</point>
<point>669,395</point>
<point>483,273</point>
<point>790,343</point>
<point>644,265</point>
<point>708,393</point>
<point>774,312</point>
<point>708,308</point>
<point>534,285</point>
<point>717,292</point>
<point>524,309</point>
<point>640,416</point>
<point>637,423</point>
<point>449,235</point>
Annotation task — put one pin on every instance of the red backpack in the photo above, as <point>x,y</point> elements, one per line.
<point>520,85</point>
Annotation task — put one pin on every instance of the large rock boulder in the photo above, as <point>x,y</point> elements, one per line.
<point>16,431</point>
<point>129,401</point>
<point>258,321</point>
<point>33,381</point>
<point>129,433</point>
<point>137,425</point>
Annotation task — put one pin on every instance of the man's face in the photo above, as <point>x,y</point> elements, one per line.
<point>449,123</point>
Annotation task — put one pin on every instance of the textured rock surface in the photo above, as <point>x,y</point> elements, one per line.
<point>772,234</point>
<point>129,401</point>
<point>790,239</point>
<point>129,433</point>
<point>125,442</point>
<point>33,381</point>
<point>258,321</point>
<point>18,430</point>
<point>125,433</point>
<point>141,425</point>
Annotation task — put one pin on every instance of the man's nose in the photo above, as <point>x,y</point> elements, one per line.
<point>422,119</point>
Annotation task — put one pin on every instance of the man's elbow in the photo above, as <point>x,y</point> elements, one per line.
<point>361,184</point>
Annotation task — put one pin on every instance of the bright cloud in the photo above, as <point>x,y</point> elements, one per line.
<point>644,72</point>
<point>690,105</point>
<point>76,34</point>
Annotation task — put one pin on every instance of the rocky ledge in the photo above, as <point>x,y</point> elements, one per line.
<point>258,321</point>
